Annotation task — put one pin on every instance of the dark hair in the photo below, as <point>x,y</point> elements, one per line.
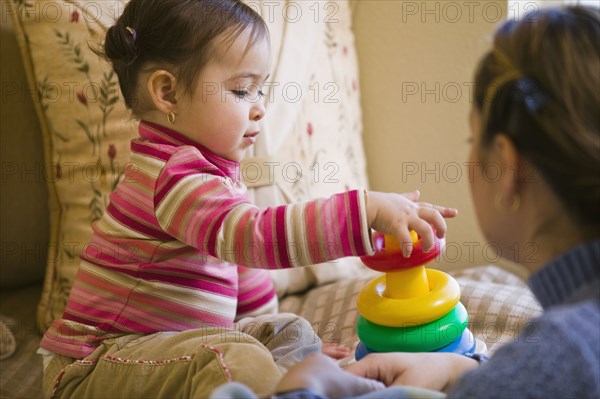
<point>540,86</point>
<point>175,35</point>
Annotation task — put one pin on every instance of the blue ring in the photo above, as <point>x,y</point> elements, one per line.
<point>362,351</point>
<point>464,345</point>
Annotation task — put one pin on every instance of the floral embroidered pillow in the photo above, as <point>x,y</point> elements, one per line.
<point>86,127</point>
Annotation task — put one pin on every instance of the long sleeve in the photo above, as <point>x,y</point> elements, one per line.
<point>208,212</point>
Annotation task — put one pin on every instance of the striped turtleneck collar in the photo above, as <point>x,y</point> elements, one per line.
<point>163,135</point>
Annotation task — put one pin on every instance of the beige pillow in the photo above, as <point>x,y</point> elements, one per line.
<point>87,129</point>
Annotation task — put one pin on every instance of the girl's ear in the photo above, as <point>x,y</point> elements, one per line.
<point>510,164</point>
<point>161,87</point>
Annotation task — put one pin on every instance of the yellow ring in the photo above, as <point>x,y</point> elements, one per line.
<point>443,296</point>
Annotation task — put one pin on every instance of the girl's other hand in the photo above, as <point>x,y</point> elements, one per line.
<point>335,351</point>
<point>321,375</point>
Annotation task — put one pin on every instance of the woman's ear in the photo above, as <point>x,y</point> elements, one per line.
<point>162,87</point>
<point>510,164</point>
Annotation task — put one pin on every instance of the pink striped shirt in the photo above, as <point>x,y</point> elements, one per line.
<point>179,246</point>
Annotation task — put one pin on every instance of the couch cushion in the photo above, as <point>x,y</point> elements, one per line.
<point>86,129</point>
<point>313,130</point>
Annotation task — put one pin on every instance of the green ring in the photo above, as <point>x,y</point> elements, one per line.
<point>420,338</point>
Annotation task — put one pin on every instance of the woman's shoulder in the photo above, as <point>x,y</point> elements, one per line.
<point>556,355</point>
<point>575,323</point>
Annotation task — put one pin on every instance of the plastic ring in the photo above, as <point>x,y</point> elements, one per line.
<point>387,260</point>
<point>373,306</point>
<point>421,338</point>
<point>464,345</point>
<point>362,351</point>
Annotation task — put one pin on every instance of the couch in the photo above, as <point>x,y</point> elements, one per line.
<point>65,135</point>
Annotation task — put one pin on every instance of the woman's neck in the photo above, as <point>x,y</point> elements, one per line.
<point>552,237</point>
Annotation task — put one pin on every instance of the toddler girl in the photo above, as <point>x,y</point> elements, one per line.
<point>175,260</point>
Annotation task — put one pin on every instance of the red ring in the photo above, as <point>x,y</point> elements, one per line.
<point>387,260</point>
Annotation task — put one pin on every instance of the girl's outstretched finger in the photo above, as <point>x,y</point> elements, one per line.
<point>445,212</point>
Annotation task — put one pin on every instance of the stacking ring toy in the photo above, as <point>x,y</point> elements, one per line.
<point>421,338</point>
<point>465,345</point>
<point>391,259</point>
<point>362,351</point>
<point>378,309</point>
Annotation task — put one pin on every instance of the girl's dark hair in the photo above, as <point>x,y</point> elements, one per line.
<point>175,35</point>
<point>540,86</point>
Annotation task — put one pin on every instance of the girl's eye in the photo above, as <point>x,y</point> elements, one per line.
<point>245,93</point>
<point>240,93</point>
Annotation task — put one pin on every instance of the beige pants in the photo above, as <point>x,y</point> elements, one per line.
<point>189,364</point>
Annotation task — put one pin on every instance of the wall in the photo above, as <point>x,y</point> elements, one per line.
<point>417,60</point>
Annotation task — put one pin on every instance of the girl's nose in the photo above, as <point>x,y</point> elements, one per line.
<point>258,111</point>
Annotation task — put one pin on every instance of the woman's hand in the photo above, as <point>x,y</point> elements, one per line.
<point>437,371</point>
<point>397,214</point>
<point>321,375</point>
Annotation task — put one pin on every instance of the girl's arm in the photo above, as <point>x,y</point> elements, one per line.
<point>205,211</point>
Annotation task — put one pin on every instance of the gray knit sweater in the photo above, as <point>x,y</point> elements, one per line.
<point>558,354</point>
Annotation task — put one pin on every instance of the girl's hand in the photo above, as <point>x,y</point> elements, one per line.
<point>397,214</point>
<point>321,375</point>
<point>437,371</point>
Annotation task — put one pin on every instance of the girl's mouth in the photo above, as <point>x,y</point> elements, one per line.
<point>250,138</point>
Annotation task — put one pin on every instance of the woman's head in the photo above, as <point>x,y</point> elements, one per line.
<point>175,35</point>
<point>536,94</point>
